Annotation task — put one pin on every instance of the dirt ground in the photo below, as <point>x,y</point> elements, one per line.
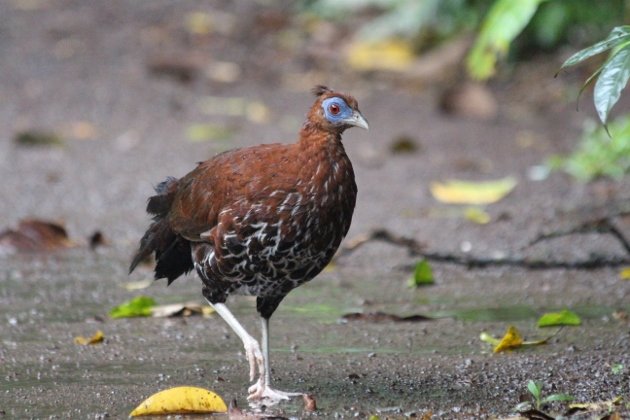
<point>124,83</point>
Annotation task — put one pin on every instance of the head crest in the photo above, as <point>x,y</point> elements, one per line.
<point>319,90</point>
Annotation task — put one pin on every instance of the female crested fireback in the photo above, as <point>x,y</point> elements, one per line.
<point>259,221</point>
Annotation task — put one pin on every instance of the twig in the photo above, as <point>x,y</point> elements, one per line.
<point>601,225</point>
<point>416,249</point>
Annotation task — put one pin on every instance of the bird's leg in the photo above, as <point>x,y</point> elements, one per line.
<point>252,348</point>
<point>261,390</point>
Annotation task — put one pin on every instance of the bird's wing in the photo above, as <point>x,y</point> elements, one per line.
<point>232,182</point>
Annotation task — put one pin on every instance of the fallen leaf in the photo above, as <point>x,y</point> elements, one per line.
<point>477,215</point>
<point>624,273</point>
<point>389,54</point>
<point>223,71</point>
<point>384,317</point>
<point>422,275</point>
<point>199,23</point>
<point>38,138</point>
<point>403,144</point>
<point>468,192</point>
<point>81,130</point>
<point>564,317</point>
<point>599,405</point>
<point>98,337</point>
<point>206,132</point>
<point>33,235</point>
<point>181,400</point>
<point>255,111</point>
<point>182,66</point>
<point>138,306</point>
<point>511,339</point>
<point>181,309</point>
<point>137,285</point>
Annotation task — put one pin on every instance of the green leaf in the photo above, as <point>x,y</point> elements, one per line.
<point>535,389</point>
<point>617,36</point>
<point>138,306</point>
<point>612,79</point>
<point>598,155</point>
<point>564,317</point>
<point>617,368</point>
<point>557,397</point>
<point>504,22</point>
<point>422,275</point>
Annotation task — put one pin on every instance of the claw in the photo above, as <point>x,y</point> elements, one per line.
<point>262,394</point>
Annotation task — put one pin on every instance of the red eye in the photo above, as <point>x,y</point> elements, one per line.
<point>334,109</point>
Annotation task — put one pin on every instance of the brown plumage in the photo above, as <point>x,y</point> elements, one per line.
<point>259,220</point>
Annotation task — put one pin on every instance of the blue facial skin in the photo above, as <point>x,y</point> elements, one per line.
<point>344,110</point>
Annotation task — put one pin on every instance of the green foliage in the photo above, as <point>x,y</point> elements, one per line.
<point>535,389</point>
<point>613,75</point>
<point>422,275</point>
<point>564,317</point>
<point>598,154</point>
<point>505,20</point>
<point>138,306</point>
<point>617,369</point>
<point>410,19</point>
<point>533,24</point>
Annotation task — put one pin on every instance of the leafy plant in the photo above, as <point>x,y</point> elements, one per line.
<point>613,75</point>
<point>535,389</point>
<point>598,154</point>
<point>504,22</point>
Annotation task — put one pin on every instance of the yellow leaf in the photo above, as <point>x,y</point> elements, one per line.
<point>484,336</point>
<point>511,340</point>
<point>199,23</point>
<point>595,406</point>
<point>477,215</point>
<point>98,337</point>
<point>181,400</point>
<point>137,285</point>
<point>467,192</point>
<point>390,54</point>
<point>624,274</point>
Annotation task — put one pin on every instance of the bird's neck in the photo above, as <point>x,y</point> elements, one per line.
<point>313,137</point>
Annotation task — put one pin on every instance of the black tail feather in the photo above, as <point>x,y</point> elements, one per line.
<point>172,252</point>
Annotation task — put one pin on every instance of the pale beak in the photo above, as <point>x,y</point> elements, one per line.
<point>357,120</point>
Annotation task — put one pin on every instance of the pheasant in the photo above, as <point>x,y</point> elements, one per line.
<point>259,221</point>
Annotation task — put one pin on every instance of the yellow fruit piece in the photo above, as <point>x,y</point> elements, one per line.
<point>181,400</point>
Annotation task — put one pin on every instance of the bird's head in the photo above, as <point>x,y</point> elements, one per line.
<point>335,112</point>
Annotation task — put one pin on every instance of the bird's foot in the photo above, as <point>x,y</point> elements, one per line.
<point>262,394</point>
<point>254,357</point>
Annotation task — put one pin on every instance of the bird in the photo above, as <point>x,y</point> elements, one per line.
<point>259,221</point>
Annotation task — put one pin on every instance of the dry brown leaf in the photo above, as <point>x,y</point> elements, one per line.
<point>34,235</point>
